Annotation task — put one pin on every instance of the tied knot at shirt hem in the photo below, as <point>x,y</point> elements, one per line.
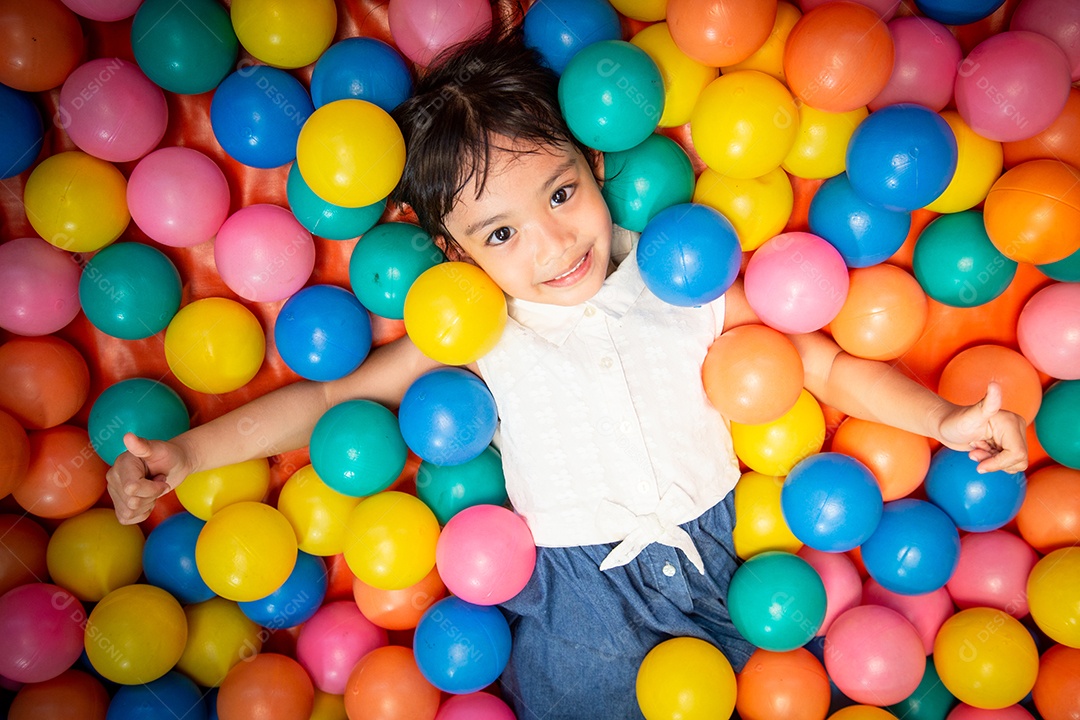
<point>659,526</point>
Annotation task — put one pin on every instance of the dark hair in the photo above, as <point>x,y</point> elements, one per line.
<point>491,86</point>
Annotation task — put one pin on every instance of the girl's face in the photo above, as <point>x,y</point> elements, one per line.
<point>540,229</point>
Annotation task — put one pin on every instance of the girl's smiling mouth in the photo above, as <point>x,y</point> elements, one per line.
<point>574,274</point>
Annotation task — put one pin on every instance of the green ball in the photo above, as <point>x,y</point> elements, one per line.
<point>385,263</point>
<point>1065,270</point>
<point>1055,423</point>
<point>327,220</point>
<point>930,701</point>
<point>130,291</point>
<point>357,448</point>
<point>647,178</point>
<point>777,601</point>
<point>184,47</point>
<point>956,263</point>
<point>449,489</point>
<point>138,405</point>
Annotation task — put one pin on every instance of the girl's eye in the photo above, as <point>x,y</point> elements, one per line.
<point>561,195</point>
<point>500,235</point>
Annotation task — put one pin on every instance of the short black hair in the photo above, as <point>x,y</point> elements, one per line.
<point>488,87</point>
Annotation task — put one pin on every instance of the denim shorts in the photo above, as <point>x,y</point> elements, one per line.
<point>580,634</point>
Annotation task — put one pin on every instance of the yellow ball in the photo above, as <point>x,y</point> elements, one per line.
<point>820,149</point>
<point>759,208</point>
<point>219,636</point>
<point>317,513</point>
<point>246,551</point>
<point>135,634</point>
<point>744,124</point>
<point>391,540</point>
<point>455,313</point>
<point>647,10</point>
<point>350,153</point>
<point>769,58</point>
<point>862,712</point>
<point>214,345</point>
<point>1053,589</point>
<point>685,678</point>
<point>978,166</point>
<point>77,202</point>
<point>986,658</point>
<point>284,33</point>
<point>328,707</point>
<point>92,554</point>
<point>775,447</point>
<point>204,493</point>
<point>759,521</point>
<point>684,77</point>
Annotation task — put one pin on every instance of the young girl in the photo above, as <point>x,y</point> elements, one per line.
<point>611,451</point>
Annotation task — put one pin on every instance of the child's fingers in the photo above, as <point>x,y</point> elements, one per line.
<point>146,489</point>
<point>1010,461</point>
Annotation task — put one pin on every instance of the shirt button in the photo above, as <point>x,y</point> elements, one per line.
<point>605,362</point>
<point>589,311</point>
<point>669,570</point>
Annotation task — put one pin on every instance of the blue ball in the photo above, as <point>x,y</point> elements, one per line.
<point>958,12</point>
<point>902,157</point>
<point>831,502</point>
<point>296,600</point>
<point>461,648</point>
<point>864,234</point>
<point>647,178</point>
<point>323,332</point>
<point>130,290</point>
<point>327,220</point>
<point>558,29</point>
<point>386,262</point>
<point>915,548</point>
<point>21,132</point>
<point>169,558</point>
<point>138,405</point>
<point>361,68</point>
<point>448,416</point>
<point>357,448</point>
<point>170,696</point>
<point>689,254</point>
<point>257,113</point>
<point>976,502</point>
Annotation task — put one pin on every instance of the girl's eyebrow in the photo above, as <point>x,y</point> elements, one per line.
<point>559,172</point>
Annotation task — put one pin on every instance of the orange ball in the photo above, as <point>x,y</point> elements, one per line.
<point>1060,141</point>
<point>899,459</point>
<point>965,377</point>
<point>387,685</point>
<point>1032,213</point>
<point>783,686</point>
<point>14,453</point>
<point>71,694</point>
<point>269,687</point>
<point>42,43</point>
<point>752,374</point>
<point>65,476</point>
<point>720,32</point>
<point>1049,519</point>
<point>839,57</point>
<point>23,545</point>
<point>884,314</point>
<point>44,381</point>
<point>398,609</point>
<point>1057,687</point>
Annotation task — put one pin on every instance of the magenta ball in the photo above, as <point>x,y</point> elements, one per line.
<point>926,613</point>
<point>39,287</point>
<point>1048,330</point>
<point>112,111</point>
<point>485,554</point>
<point>967,712</point>
<point>993,572</point>
<point>1058,20</point>
<point>1012,85</point>
<point>475,706</point>
<point>924,70</point>
<point>423,28</point>
<point>885,8</point>
<point>263,253</point>
<point>103,10</point>
<point>843,586</point>
<point>333,641</point>
<point>42,629</point>
<point>874,655</point>
<point>178,196</point>
<point>796,282</point>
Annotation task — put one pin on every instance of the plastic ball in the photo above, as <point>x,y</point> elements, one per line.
<point>1064,270</point>
<point>449,489</point>
<point>874,655</point>
<point>831,502</point>
<point>926,612</point>
<point>269,686</point>
<point>902,157</point>
<point>965,377</point>
<point>14,454</point>
<point>769,57</point>
<point>169,558</point>
<point>350,153</point>
<point>129,290</point>
<point>284,33</point>
<point>327,220</point>
<point>976,502</point>
<point>61,479</point>
<point>821,141</point>
<point>257,114</point>
<point>758,208</point>
<point>558,29</point>
<point>978,166</point>
<point>930,700</point>
<point>1053,592</point>
<point>178,196</point>
<point>843,585</point>
<point>686,678</point>
<point>782,686</point>
<point>752,374</point>
<point>956,12</point>
<point>119,629</point>
<point>39,287</point>
<point>172,694</point>
<point>333,641</point>
<point>316,512</point>
<point>963,711</point>
<point>884,314</point>
<point>1056,432</point>
<point>1049,519</point>
<point>323,333</point>
<point>386,683</point>
<point>92,554</point>
<point>422,29</point>
<point>42,632</point>
<point>246,551</point>
<point>454,313</point>
<point>42,41</point>
<point>357,448</point>
<point>898,459</point>
<point>777,601</point>
<point>1012,85</point>
<point>1030,211</point>
<point>362,68</point>
<point>924,68</point>
<point>22,130</point>
<point>723,32</point>
<point>1057,142</point>
<point>103,10</point>
<point>214,345</point>
<point>22,552</point>
<point>76,202</point>
<point>1048,330</point>
<point>861,712</point>
<point>863,233</point>
<point>684,78</point>
<point>1057,686</point>
<point>187,50</point>
<point>392,538</point>
<point>956,263</point>
<point>219,637</point>
<point>461,647</point>
<point>1056,20</point>
<point>645,180</point>
<point>773,448</point>
<point>599,114</point>
<point>993,572</point>
<point>475,706</point>
<point>263,253</point>
<point>386,262</point>
<point>298,598</point>
<point>448,416</point>
<point>398,609</point>
<point>647,10</point>
<point>485,555</point>
<point>72,692</point>
<point>915,548</point>
<point>760,524</point>
<point>796,282</point>
<point>205,492</point>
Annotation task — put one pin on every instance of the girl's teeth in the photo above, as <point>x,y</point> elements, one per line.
<point>571,270</point>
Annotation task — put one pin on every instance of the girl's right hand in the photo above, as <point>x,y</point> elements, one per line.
<point>148,470</point>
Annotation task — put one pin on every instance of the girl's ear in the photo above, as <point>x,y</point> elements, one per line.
<point>452,250</point>
<point>596,160</point>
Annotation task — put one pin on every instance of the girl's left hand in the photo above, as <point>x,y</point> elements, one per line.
<point>992,437</point>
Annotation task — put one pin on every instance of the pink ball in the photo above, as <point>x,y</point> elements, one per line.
<point>42,629</point>
<point>485,554</point>
<point>874,655</point>
<point>178,196</point>
<point>423,28</point>
<point>796,282</point>
<point>39,287</point>
<point>111,110</point>
<point>333,641</point>
<point>843,586</point>
<point>263,253</point>
<point>1048,330</point>
<point>1058,20</point>
<point>885,8</point>
<point>967,712</point>
<point>993,572</point>
<point>926,613</point>
<point>103,10</point>
<point>1012,85</point>
<point>475,706</point>
<point>924,70</point>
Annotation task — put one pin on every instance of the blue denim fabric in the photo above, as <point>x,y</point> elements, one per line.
<point>581,634</point>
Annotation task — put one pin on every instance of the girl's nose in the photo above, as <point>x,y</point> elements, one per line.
<point>555,238</point>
